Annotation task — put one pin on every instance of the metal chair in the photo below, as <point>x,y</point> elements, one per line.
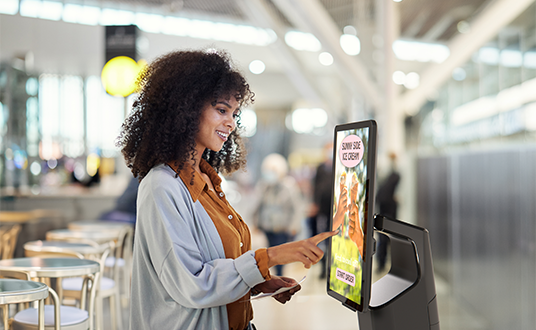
<point>56,316</point>
<point>8,237</point>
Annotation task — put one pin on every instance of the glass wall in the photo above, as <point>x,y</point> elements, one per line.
<point>53,127</point>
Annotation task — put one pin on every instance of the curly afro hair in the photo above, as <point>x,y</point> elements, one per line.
<point>173,91</point>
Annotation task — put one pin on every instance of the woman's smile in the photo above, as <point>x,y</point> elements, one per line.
<point>218,121</point>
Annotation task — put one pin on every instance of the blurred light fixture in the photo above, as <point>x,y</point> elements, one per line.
<point>488,55</point>
<point>302,41</point>
<point>119,76</point>
<point>149,22</point>
<point>305,120</point>
<point>87,15</point>
<point>529,60</point>
<point>412,80</point>
<point>349,29</point>
<point>32,86</point>
<point>248,119</point>
<point>325,58</point>
<point>35,168</point>
<point>350,44</point>
<point>92,164</point>
<point>399,77</point>
<point>30,8</point>
<point>463,27</point>
<point>257,66</point>
<point>511,58</point>
<point>51,10</point>
<point>420,51</point>
<point>459,74</point>
<point>116,17</point>
<point>9,7</point>
<point>397,0</point>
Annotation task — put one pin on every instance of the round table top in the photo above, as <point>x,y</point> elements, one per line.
<point>61,246</point>
<point>51,267</point>
<point>97,225</point>
<point>18,291</point>
<point>99,236</point>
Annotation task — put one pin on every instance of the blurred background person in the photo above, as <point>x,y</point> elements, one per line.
<point>125,206</point>
<point>319,213</point>
<point>279,211</point>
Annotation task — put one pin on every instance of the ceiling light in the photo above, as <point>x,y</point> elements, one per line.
<point>325,58</point>
<point>306,120</point>
<point>459,74</point>
<point>51,10</point>
<point>89,15</point>
<point>30,8</point>
<point>420,51</point>
<point>257,67</point>
<point>9,7</point>
<point>302,41</point>
<point>349,29</point>
<point>463,27</point>
<point>350,44</point>
<point>116,17</point>
<point>412,80</point>
<point>399,77</point>
<point>149,22</point>
<point>511,58</point>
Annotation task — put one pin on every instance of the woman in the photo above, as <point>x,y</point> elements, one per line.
<point>193,267</point>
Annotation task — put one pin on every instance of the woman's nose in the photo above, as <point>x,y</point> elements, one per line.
<point>231,123</point>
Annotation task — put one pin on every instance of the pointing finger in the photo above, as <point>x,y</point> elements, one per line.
<point>322,236</point>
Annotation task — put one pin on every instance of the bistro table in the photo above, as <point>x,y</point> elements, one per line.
<point>20,291</point>
<point>98,225</point>
<point>98,236</point>
<point>41,268</point>
<point>89,251</point>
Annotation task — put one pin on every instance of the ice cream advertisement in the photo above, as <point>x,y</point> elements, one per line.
<point>348,204</point>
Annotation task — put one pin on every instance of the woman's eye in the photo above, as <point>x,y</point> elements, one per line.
<point>222,111</point>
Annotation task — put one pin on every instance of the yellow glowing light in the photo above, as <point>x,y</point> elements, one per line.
<point>92,164</point>
<point>119,75</point>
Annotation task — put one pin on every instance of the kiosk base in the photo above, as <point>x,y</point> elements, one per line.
<point>405,298</point>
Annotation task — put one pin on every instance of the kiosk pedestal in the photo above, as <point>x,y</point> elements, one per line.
<point>405,298</point>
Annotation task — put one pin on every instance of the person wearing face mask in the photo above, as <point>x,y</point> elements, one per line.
<point>193,266</point>
<point>280,207</point>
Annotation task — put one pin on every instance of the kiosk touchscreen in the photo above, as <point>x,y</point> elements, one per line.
<point>350,251</point>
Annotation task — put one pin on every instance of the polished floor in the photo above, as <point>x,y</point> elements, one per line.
<point>312,309</point>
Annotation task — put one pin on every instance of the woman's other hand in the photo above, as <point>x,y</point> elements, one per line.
<point>305,251</point>
<point>276,283</point>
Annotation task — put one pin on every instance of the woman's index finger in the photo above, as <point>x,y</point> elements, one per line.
<point>322,236</point>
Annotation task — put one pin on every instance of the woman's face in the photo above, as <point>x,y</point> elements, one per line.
<point>217,122</point>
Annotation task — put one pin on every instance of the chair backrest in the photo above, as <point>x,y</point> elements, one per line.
<point>8,237</point>
<point>53,254</point>
<point>19,275</point>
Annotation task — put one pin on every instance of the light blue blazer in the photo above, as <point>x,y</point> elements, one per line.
<point>180,277</point>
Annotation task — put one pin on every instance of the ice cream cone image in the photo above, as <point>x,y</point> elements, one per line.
<point>342,204</point>
<point>354,231</point>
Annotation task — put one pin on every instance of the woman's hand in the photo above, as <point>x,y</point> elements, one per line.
<point>277,283</point>
<point>305,251</point>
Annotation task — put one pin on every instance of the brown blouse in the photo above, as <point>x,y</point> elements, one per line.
<point>234,233</point>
